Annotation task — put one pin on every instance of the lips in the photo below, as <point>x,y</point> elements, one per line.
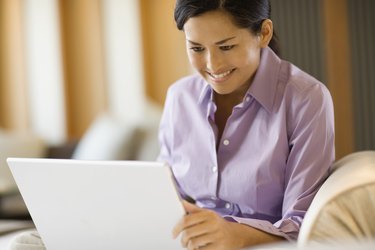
<point>221,76</point>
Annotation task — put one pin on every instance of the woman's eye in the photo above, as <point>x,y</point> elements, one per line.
<point>227,47</point>
<point>197,49</point>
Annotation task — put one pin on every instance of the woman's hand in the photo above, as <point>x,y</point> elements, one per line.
<point>204,229</point>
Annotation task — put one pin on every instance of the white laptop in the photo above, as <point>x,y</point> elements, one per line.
<point>111,205</point>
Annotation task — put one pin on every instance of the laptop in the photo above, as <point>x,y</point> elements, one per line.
<point>78,204</point>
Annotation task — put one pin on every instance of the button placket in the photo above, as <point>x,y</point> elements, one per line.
<point>214,169</point>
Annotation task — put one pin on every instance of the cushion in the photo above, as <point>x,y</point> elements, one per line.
<point>342,210</point>
<point>107,138</point>
<point>349,216</point>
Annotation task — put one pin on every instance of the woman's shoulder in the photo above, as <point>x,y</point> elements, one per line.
<point>304,94</point>
<point>301,83</point>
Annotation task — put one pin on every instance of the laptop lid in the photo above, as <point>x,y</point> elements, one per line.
<point>79,204</point>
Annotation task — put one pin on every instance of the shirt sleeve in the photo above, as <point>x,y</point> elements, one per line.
<point>166,136</point>
<point>266,226</point>
<point>312,152</point>
<point>165,130</point>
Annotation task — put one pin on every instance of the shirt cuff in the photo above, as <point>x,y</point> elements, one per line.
<point>268,227</point>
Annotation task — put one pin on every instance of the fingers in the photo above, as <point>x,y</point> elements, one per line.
<point>204,229</point>
<point>201,242</point>
<point>204,242</point>
<point>187,221</point>
<point>198,229</point>
<point>210,246</point>
<point>194,233</point>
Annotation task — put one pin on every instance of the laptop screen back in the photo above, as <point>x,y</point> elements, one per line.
<point>99,204</point>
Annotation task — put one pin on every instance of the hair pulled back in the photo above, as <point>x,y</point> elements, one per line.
<point>248,14</point>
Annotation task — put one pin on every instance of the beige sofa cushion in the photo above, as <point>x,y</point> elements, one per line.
<point>344,207</point>
<point>107,138</point>
<point>350,215</point>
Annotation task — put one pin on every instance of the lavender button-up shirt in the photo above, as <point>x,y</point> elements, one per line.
<point>274,154</point>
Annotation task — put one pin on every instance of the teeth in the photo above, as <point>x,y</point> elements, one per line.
<point>221,75</point>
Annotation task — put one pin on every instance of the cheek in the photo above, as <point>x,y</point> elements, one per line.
<point>251,58</point>
<point>196,61</point>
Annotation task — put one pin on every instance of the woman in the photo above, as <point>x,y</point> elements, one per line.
<point>251,137</point>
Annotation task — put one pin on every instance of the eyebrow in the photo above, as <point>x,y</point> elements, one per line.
<point>217,43</point>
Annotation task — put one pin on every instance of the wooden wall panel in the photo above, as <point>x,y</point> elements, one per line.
<point>165,56</point>
<point>339,72</point>
<point>13,88</point>
<point>81,27</point>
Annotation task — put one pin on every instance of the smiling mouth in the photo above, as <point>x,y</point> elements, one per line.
<point>221,76</point>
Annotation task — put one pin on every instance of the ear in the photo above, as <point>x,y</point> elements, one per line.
<point>266,33</point>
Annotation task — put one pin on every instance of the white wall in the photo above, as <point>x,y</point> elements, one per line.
<point>124,59</point>
<point>44,69</point>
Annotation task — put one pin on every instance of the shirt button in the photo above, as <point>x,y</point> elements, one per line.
<point>226,142</point>
<point>214,169</point>
<point>247,99</point>
<point>228,205</point>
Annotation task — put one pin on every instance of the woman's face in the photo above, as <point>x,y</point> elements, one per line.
<point>225,55</point>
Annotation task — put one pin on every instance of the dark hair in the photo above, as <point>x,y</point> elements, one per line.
<point>248,14</point>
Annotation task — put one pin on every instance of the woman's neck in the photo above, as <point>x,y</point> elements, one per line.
<point>228,101</point>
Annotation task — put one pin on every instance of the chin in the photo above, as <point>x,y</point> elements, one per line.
<point>221,91</point>
<point>222,88</point>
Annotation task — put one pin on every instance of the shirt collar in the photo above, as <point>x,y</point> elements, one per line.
<point>206,92</point>
<point>263,88</point>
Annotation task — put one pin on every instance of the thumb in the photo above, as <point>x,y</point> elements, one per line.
<point>190,208</point>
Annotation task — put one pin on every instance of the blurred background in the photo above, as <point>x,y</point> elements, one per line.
<point>64,62</point>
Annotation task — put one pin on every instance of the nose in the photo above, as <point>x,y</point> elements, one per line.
<point>214,62</point>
